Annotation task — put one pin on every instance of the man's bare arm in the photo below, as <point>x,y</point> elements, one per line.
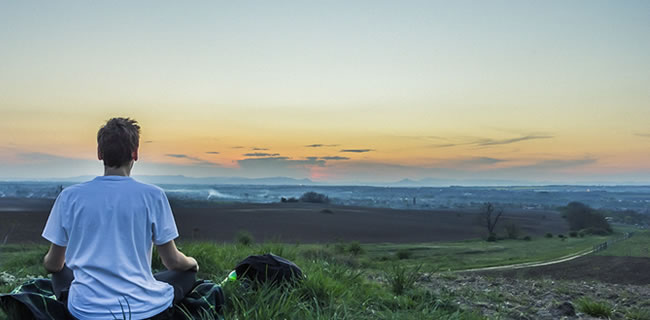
<point>54,259</point>
<point>175,260</point>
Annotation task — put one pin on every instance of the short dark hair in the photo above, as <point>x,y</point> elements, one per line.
<point>117,139</point>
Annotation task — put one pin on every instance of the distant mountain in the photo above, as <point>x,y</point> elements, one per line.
<point>433,182</point>
<point>180,179</point>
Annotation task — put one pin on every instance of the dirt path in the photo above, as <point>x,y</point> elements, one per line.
<point>532,264</point>
<point>566,258</point>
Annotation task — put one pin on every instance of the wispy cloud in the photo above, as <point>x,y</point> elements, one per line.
<point>492,142</point>
<point>642,134</point>
<point>308,161</point>
<point>260,154</point>
<point>562,163</point>
<point>260,149</point>
<point>41,157</point>
<point>487,142</point>
<point>212,152</point>
<point>149,141</point>
<point>191,158</point>
<point>319,145</point>
<point>357,150</point>
<point>238,147</point>
<point>280,165</point>
<point>334,158</point>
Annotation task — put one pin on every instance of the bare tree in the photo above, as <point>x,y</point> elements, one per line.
<point>489,217</point>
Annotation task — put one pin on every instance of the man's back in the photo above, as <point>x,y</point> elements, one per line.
<point>108,225</point>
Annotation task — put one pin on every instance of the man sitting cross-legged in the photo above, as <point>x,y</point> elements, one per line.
<point>102,234</point>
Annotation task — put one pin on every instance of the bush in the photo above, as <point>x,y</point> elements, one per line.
<point>573,234</point>
<point>339,247</point>
<point>403,254</point>
<point>549,235</point>
<point>594,308</point>
<point>314,197</point>
<point>581,216</point>
<point>292,199</point>
<point>581,234</point>
<point>355,248</point>
<point>492,237</point>
<point>527,238</point>
<point>244,237</point>
<point>402,278</point>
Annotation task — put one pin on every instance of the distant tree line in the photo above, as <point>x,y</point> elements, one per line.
<point>629,217</point>
<point>311,197</point>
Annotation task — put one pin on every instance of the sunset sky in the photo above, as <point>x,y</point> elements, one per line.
<point>333,91</point>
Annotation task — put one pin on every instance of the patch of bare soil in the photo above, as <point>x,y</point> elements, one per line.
<point>504,297</point>
<point>616,270</point>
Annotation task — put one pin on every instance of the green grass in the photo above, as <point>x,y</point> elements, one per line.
<point>594,308</point>
<point>336,286</point>
<point>636,246</point>
<point>341,278</point>
<point>475,253</point>
<point>638,314</point>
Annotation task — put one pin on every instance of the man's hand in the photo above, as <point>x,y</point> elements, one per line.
<point>196,264</point>
<point>54,259</point>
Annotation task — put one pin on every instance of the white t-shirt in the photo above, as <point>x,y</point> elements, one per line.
<point>109,226</point>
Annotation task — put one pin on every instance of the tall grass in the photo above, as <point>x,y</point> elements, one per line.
<point>594,308</point>
<point>336,284</point>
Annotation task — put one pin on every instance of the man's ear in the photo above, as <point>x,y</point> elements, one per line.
<point>134,155</point>
<point>99,154</point>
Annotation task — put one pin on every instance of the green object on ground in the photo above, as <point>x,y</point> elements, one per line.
<point>232,276</point>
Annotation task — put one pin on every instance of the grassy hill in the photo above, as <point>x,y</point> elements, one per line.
<point>351,280</point>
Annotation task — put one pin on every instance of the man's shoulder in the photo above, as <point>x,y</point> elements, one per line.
<point>132,185</point>
<point>147,187</point>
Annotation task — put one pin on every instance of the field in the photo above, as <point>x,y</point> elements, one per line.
<point>348,280</point>
<point>369,263</point>
<point>23,221</point>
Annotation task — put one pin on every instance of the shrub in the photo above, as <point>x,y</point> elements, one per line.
<point>402,278</point>
<point>339,247</point>
<point>549,235</point>
<point>355,248</point>
<point>581,216</point>
<point>314,197</point>
<point>573,234</point>
<point>527,238</point>
<point>403,254</point>
<point>492,237</point>
<point>581,234</point>
<point>594,308</point>
<point>244,237</point>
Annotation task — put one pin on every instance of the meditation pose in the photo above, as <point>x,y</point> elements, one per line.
<point>102,234</point>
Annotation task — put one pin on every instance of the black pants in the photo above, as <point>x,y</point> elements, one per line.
<point>182,281</point>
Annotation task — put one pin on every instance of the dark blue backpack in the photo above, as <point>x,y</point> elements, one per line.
<point>268,268</point>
